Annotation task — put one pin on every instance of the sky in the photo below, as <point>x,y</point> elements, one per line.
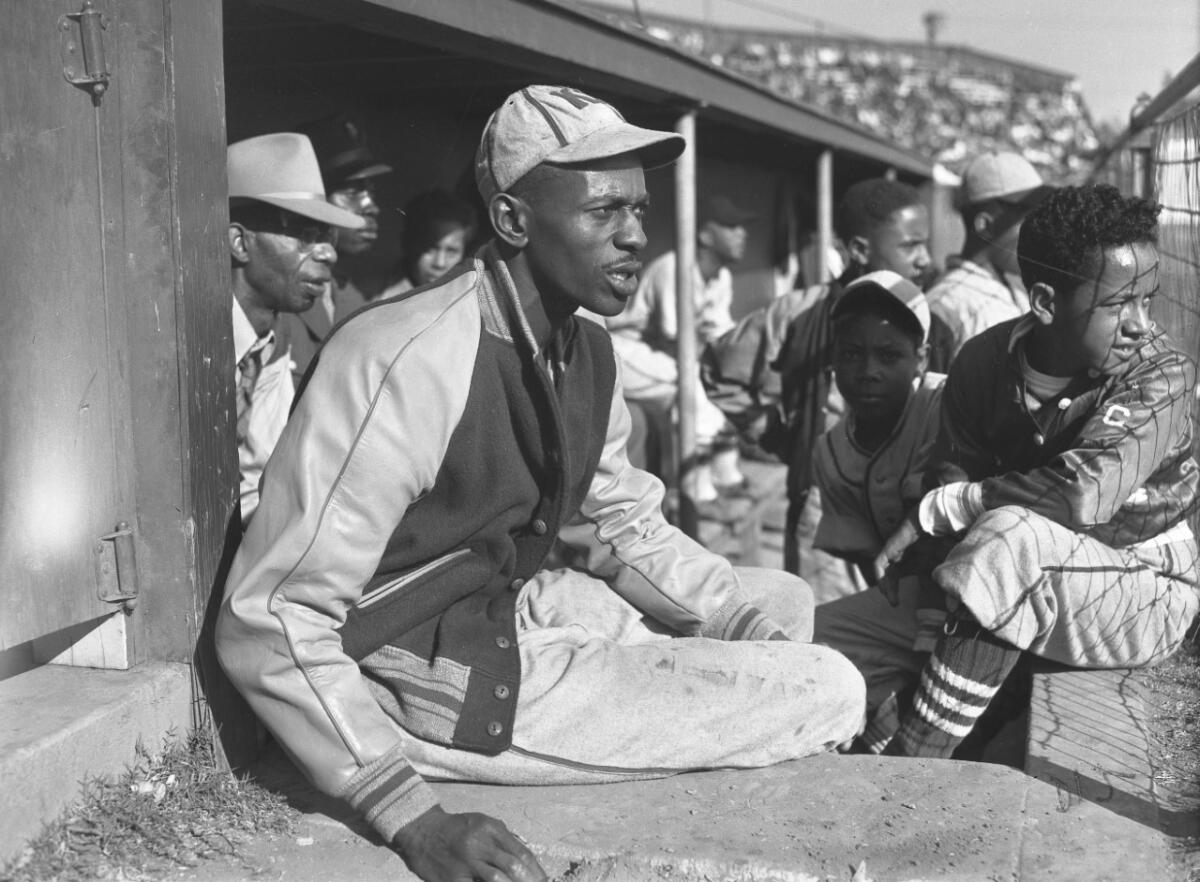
<point>1117,48</point>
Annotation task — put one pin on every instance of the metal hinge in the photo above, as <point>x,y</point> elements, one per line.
<point>116,567</point>
<point>81,37</point>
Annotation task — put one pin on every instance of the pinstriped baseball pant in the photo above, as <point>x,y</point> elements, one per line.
<point>1059,594</point>
<point>607,696</point>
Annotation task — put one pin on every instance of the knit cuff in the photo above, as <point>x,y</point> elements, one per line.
<point>389,793</point>
<point>951,508</point>
<point>738,620</point>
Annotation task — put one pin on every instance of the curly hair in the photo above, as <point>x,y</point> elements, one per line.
<point>869,204</point>
<point>1061,240</point>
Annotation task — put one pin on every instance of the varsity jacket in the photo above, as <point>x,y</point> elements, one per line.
<point>429,463</point>
<point>1111,456</point>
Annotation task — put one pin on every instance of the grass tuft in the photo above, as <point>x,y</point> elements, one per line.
<point>164,813</point>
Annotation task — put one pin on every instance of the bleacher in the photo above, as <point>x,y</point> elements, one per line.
<point>946,102</point>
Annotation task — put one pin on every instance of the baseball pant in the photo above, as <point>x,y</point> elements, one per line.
<point>607,695</point>
<point>1043,588</point>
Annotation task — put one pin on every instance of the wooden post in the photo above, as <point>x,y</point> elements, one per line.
<point>685,274</point>
<point>824,213</point>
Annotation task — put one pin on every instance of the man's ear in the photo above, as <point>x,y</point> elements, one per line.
<point>982,224</point>
<point>510,218</point>
<point>705,236</point>
<point>238,246</point>
<point>1043,302</point>
<point>859,250</point>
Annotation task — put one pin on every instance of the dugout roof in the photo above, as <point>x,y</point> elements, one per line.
<point>435,48</point>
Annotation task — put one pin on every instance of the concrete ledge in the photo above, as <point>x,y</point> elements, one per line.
<point>804,821</point>
<point>1088,739</point>
<point>62,725</point>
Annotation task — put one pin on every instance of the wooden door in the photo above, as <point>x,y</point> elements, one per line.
<point>65,450</point>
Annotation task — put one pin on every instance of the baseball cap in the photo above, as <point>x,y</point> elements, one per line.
<point>281,169</point>
<point>886,286</point>
<point>722,210</point>
<point>1004,176</point>
<point>341,145</point>
<point>559,124</point>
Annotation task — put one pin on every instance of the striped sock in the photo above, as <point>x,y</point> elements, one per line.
<point>964,672</point>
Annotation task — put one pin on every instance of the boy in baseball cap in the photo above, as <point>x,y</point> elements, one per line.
<point>1068,532</point>
<point>391,613</point>
<point>869,467</point>
<point>983,286</point>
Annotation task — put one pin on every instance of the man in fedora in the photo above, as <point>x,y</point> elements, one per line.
<point>388,615</point>
<point>281,235</point>
<point>983,286</point>
<point>350,170</point>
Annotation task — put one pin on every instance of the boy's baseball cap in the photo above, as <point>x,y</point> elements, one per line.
<point>561,125</point>
<point>1007,177</point>
<point>281,169</point>
<point>887,286</point>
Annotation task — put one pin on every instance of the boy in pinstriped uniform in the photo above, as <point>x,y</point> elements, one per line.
<point>1073,427</point>
<point>869,466</point>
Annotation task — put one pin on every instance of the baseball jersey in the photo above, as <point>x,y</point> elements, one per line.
<point>1110,455</point>
<point>969,299</point>
<point>866,494</point>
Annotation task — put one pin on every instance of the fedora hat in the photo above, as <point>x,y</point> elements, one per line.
<point>281,169</point>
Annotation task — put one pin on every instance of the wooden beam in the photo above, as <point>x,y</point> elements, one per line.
<point>686,354</point>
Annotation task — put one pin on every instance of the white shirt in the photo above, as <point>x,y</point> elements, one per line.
<point>270,402</point>
<point>652,315</point>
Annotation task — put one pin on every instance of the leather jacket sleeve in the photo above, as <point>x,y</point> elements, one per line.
<point>653,565</point>
<point>361,445</point>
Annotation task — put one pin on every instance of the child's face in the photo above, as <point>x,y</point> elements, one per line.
<point>874,363</point>
<point>1103,322</point>
<point>901,244</point>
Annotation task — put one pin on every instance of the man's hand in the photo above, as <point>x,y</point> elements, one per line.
<point>441,847</point>
<point>893,552</point>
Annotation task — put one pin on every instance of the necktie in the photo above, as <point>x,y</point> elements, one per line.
<point>249,368</point>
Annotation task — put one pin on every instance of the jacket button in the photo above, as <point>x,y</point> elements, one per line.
<point>501,692</point>
<point>495,729</point>
<point>539,527</point>
<point>503,642</point>
<point>1039,439</point>
<point>517,584</point>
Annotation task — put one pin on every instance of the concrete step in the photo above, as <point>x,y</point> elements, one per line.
<point>61,725</point>
<point>812,819</point>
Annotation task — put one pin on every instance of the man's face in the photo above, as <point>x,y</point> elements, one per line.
<point>358,197</point>
<point>728,243</point>
<point>1002,234</point>
<point>289,262</point>
<point>1102,323</point>
<point>901,244</point>
<point>585,235</point>
<point>874,363</point>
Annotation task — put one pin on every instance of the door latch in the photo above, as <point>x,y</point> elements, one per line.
<point>116,567</point>
<point>81,38</point>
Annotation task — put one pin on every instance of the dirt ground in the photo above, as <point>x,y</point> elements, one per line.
<point>1172,696</point>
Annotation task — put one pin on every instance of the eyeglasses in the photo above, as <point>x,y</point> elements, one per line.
<point>309,233</point>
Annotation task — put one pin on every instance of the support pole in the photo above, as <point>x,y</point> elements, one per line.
<point>686,355</point>
<point>824,214</point>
